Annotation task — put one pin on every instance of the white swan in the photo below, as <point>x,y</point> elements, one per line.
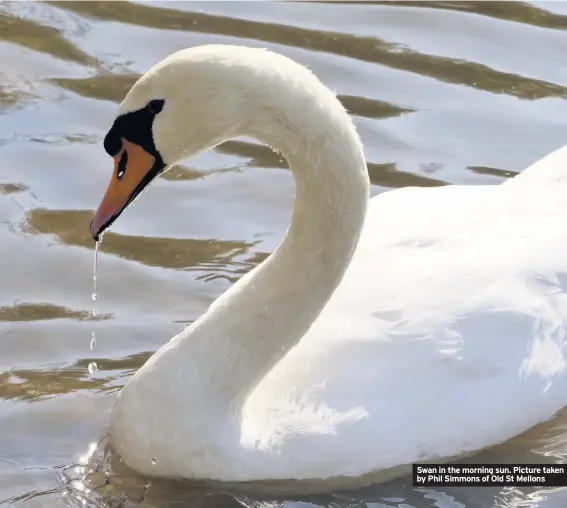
<point>446,334</point>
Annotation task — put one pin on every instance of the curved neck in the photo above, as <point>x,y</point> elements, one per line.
<point>252,326</point>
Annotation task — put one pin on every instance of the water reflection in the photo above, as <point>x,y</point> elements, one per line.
<point>442,92</point>
<point>520,12</point>
<point>32,385</point>
<point>12,188</point>
<point>212,257</point>
<point>114,87</point>
<point>25,311</point>
<point>369,49</point>
<point>41,38</point>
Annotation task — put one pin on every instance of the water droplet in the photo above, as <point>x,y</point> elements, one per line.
<point>148,484</point>
<point>93,367</point>
<point>154,461</point>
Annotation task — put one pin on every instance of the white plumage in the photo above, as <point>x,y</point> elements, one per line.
<point>447,333</point>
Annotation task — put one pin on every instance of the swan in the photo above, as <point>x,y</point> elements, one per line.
<point>421,324</point>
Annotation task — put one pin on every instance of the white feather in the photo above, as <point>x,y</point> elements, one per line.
<point>447,333</point>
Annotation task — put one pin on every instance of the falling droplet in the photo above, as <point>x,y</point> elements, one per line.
<point>95,278</point>
<point>148,484</point>
<point>154,461</point>
<point>93,367</point>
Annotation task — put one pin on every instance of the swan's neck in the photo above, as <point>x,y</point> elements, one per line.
<point>254,324</point>
<point>221,358</point>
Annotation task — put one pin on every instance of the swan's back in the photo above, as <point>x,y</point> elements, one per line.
<point>448,333</point>
<point>551,170</point>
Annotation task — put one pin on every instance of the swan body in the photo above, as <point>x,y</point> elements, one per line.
<point>422,324</point>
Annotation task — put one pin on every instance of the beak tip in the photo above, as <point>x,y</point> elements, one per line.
<point>94,233</point>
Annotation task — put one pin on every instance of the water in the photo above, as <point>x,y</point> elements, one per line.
<point>95,295</point>
<point>93,367</point>
<point>456,92</point>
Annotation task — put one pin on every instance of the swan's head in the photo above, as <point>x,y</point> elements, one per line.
<point>191,101</point>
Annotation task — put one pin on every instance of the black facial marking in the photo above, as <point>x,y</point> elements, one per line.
<point>136,127</point>
<point>122,163</point>
<point>156,106</point>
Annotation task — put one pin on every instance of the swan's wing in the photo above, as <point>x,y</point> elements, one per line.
<point>447,334</point>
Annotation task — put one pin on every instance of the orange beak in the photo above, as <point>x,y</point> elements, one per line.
<point>134,169</point>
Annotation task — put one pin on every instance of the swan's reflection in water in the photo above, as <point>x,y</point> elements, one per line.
<point>99,479</point>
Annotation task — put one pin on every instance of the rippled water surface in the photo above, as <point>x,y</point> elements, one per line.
<point>442,93</point>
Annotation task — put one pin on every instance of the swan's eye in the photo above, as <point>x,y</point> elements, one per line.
<point>122,165</point>
<point>155,106</point>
